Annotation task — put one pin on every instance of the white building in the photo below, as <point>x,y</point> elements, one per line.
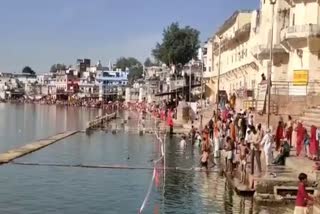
<point>300,38</point>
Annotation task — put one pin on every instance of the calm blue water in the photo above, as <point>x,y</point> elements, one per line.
<point>51,189</point>
<point>23,123</point>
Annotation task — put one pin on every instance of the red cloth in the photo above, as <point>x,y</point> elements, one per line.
<point>313,141</point>
<point>225,115</point>
<point>300,137</point>
<point>170,121</point>
<point>302,196</point>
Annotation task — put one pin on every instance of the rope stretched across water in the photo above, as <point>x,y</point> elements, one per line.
<point>118,167</point>
<point>162,147</point>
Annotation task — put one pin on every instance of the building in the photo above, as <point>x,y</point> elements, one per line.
<point>241,54</point>
<point>111,82</point>
<point>87,86</point>
<point>231,57</point>
<point>300,38</point>
<point>66,82</point>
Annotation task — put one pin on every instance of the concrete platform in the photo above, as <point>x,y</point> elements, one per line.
<point>32,147</point>
<point>282,176</point>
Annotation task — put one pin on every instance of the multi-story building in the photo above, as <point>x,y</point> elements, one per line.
<point>241,52</point>
<point>111,82</point>
<point>231,56</point>
<point>300,38</point>
<point>66,81</point>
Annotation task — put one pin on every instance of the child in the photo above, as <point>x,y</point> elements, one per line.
<point>303,198</point>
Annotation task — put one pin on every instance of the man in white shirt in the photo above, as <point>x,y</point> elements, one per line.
<point>267,146</point>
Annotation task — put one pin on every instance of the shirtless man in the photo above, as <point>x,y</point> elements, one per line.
<point>244,151</point>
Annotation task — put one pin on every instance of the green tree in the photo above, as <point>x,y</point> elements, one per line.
<point>56,67</point>
<point>28,70</point>
<point>148,62</point>
<point>178,46</point>
<point>135,68</point>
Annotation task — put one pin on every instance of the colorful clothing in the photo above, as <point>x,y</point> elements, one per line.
<point>300,138</point>
<point>302,196</point>
<point>313,142</point>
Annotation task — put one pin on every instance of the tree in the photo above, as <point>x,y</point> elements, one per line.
<point>129,62</point>
<point>179,45</point>
<point>135,68</point>
<point>28,70</point>
<point>148,62</point>
<point>56,67</point>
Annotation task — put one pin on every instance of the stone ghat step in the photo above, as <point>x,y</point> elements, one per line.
<point>311,114</point>
<point>313,110</point>
<point>32,147</point>
<point>310,120</point>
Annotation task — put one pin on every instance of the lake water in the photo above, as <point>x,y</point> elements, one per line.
<point>62,189</point>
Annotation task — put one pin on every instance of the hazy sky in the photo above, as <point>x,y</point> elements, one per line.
<point>40,33</point>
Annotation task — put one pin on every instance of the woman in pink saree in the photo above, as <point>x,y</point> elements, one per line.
<point>300,138</point>
<point>313,143</point>
<point>294,134</point>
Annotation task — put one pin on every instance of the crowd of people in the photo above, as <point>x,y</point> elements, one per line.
<point>236,137</point>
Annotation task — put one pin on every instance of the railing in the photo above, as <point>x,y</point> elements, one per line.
<point>292,89</point>
<point>101,120</point>
<point>300,31</point>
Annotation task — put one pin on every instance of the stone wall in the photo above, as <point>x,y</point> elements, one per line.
<point>294,105</point>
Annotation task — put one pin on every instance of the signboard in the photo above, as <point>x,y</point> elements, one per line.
<point>300,77</point>
<point>261,96</point>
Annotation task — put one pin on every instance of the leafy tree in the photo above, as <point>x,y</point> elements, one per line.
<point>135,68</point>
<point>28,70</point>
<point>56,67</point>
<point>179,45</point>
<point>129,62</point>
<point>148,62</point>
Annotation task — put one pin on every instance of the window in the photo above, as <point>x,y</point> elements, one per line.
<point>209,69</point>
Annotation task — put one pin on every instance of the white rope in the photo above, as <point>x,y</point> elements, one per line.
<point>162,146</point>
<point>149,191</point>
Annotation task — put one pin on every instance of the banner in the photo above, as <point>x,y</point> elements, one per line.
<point>300,77</point>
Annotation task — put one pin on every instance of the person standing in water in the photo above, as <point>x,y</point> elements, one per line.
<point>206,150</point>
<point>183,142</point>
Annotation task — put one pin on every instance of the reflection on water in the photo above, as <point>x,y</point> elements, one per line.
<point>22,123</point>
<point>48,189</point>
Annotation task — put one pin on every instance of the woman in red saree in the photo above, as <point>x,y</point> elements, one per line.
<point>300,138</point>
<point>313,143</point>
<point>279,135</point>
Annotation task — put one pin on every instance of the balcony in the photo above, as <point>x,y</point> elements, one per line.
<point>262,52</point>
<point>299,32</point>
<point>241,34</point>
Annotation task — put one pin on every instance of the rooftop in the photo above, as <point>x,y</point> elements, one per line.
<point>231,20</point>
